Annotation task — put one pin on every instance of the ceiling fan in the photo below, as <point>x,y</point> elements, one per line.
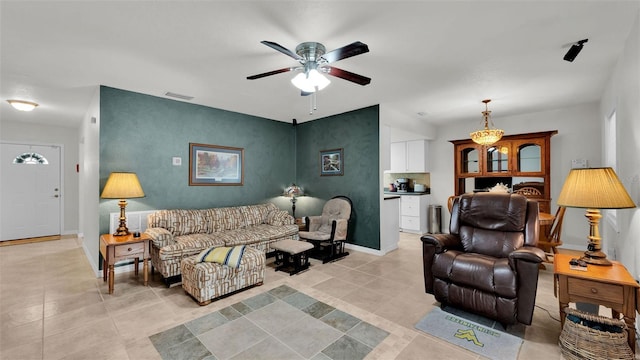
<point>314,61</point>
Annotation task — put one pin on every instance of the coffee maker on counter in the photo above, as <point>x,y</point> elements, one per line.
<point>402,184</point>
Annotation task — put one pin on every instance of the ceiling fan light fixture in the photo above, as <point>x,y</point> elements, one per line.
<point>22,105</point>
<point>311,81</point>
<point>486,136</point>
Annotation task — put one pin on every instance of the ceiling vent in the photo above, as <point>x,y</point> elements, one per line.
<point>179,96</point>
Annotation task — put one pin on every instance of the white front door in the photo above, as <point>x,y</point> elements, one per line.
<point>30,189</point>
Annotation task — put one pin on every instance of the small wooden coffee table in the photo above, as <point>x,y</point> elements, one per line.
<point>118,248</point>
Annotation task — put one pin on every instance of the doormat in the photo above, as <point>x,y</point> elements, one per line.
<point>484,340</point>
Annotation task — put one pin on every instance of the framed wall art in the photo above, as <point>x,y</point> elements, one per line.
<point>331,162</point>
<point>215,165</point>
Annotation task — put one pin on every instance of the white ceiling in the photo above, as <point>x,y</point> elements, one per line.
<point>440,58</point>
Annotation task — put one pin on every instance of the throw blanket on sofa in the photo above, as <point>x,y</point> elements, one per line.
<point>230,256</point>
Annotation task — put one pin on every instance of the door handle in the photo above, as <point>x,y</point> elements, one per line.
<point>56,195</point>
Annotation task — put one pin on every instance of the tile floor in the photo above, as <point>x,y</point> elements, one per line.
<point>52,306</point>
<point>281,323</point>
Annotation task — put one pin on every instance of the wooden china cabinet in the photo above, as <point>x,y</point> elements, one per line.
<point>524,159</point>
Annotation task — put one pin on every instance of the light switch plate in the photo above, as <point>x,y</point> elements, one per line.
<point>177,161</point>
<point>579,163</point>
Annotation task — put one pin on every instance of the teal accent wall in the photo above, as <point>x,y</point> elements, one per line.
<point>141,133</point>
<point>357,133</point>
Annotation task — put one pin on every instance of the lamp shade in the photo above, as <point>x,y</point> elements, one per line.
<point>293,190</point>
<point>122,185</point>
<point>594,188</point>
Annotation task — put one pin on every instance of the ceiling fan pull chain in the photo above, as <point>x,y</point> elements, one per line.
<point>315,103</point>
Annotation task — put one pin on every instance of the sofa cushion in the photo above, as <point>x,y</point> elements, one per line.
<point>256,234</point>
<point>189,245</point>
<point>228,218</point>
<point>179,221</point>
<point>256,214</point>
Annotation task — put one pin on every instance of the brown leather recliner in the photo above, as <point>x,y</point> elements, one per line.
<point>488,263</point>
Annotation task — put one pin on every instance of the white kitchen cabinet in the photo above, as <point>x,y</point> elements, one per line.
<point>413,213</point>
<point>409,156</point>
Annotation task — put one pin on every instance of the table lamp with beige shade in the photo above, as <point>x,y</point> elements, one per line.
<point>594,189</point>
<point>122,185</point>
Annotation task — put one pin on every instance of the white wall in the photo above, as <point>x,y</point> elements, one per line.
<point>13,131</point>
<point>90,181</point>
<point>623,95</point>
<point>578,137</point>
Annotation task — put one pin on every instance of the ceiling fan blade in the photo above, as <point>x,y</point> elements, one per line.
<point>282,49</point>
<point>343,74</point>
<point>269,73</point>
<point>344,52</point>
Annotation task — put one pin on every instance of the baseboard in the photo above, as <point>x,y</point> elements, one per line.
<point>367,250</point>
<point>92,261</point>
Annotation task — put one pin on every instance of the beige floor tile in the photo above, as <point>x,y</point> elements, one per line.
<point>28,351</point>
<point>95,313</point>
<point>68,312</point>
<point>28,333</point>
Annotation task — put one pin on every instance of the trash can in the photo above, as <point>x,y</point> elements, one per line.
<point>435,219</point>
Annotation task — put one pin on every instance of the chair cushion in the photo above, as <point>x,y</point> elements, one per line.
<point>315,235</point>
<point>485,273</point>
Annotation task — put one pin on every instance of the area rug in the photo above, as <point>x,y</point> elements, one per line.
<point>281,323</point>
<point>479,336</point>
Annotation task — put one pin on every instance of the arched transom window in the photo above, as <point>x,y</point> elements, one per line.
<point>31,158</point>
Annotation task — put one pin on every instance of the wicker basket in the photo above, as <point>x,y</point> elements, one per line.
<point>579,341</point>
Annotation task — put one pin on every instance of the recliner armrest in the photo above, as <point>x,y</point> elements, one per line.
<point>528,253</point>
<point>442,241</point>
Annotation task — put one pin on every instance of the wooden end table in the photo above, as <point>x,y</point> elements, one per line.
<point>118,248</point>
<point>610,286</point>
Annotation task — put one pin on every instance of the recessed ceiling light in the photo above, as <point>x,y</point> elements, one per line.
<point>22,105</point>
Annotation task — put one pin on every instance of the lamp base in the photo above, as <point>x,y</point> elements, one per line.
<point>122,229</point>
<point>596,258</point>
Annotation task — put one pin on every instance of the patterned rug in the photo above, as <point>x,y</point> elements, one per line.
<point>281,323</point>
<point>473,333</point>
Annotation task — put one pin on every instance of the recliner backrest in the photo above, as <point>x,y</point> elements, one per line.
<point>494,224</point>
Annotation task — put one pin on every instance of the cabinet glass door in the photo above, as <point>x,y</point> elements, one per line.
<point>497,159</point>
<point>529,157</point>
<point>470,161</point>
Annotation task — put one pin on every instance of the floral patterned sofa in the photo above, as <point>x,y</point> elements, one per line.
<point>180,233</point>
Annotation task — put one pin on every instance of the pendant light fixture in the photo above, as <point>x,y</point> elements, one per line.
<point>487,136</point>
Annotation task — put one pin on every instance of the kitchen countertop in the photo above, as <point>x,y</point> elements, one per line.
<point>386,192</point>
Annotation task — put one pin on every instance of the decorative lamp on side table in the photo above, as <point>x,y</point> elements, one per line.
<point>594,189</point>
<point>122,245</point>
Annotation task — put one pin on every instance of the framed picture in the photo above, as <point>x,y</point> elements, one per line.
<point>331,162</point>
<point>215,165</point>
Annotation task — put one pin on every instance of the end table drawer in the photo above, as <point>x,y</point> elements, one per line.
<point>129,249</point>
<point>597,290</point>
